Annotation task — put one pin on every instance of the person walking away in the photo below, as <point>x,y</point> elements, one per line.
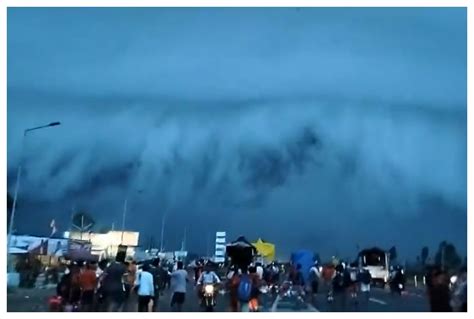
<point>244,290</point>
<point>350,279</point>
<point>297,278</point>
<point>63,288</point>
<point>314,277</point>
<point>131,296</point>
<point>114,286</point>
<point>179,279</point>
<point>159,280</point>
<point>100,293</point>
<point>255,291</point>
<point>88,284</point>
<point>339,290</point>
<point>440,293</point>
<point>232,285</point>
<point>365,278</point>
<point>145,288</point>
<point>75,296</point>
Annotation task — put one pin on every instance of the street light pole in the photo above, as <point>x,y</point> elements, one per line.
<point>162,232</point>
<point>17,186</point>
<point>123,218</point>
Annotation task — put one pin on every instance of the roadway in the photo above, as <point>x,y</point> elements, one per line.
<point>28,300</point>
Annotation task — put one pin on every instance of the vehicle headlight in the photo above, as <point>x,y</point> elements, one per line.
<point>453,279</point>
<point>209,289</point>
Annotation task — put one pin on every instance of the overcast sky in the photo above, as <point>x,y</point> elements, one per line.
<point>312,128</point>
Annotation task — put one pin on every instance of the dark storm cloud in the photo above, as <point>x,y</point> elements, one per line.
<point>319,120</point>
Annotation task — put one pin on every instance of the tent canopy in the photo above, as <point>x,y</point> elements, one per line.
<point>241,251</point>
<point>265,249</point>
<point>305,258</point>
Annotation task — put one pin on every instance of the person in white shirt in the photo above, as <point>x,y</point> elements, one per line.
<point>314,276</point>
<point>208,277</point>
<point>260,271</point>
<point>145,288</point>
<point>179,279</point>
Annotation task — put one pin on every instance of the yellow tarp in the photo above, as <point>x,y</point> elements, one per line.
<point>265,249</point>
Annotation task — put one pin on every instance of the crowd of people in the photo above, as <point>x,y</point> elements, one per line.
<point>121,286</point>
<point>118,286</point>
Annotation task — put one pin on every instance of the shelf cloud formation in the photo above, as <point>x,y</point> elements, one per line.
<point>320,128</point>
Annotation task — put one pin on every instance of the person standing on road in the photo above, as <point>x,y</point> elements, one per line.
<point>88,283</point>
<point>364,279</point>
<point>145,288</point>
<point>339,290</point>
<point>314,277</point>
<point>179,279</point>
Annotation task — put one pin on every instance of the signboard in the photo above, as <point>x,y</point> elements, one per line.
<point>180,255</point>
<point>40,245</point>
<point>220,247</point>
<point>77,244</point>
<point>57,247</point>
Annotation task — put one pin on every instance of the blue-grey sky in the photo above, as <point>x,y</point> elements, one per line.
<point>318,128</point>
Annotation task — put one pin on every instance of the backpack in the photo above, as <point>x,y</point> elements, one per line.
<point>245,288</point>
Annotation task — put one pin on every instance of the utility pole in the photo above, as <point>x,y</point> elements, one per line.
<point>162,232</point>
<point>123,218</point>
<point>82,225</point>
<point>183,248</point>
<point>442,256</point>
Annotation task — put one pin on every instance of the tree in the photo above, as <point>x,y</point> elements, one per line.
<point>447,256</point>
<point>393,253</point>
<point>424,255</point>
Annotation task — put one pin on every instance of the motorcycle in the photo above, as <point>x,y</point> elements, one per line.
<point>208,298</point>
<point>397,287</point>
<point>297,293</point>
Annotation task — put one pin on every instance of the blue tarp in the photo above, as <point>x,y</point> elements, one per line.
<point>306,259</point>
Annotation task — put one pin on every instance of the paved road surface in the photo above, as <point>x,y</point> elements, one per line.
<point>27,300</point>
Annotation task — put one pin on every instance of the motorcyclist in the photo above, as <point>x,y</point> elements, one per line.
<point>397,282</point>
<point>208,277</point>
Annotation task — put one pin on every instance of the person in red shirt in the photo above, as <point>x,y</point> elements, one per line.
<point>88,283</point>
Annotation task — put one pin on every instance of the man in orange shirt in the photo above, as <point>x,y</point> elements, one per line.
<point>88,283</point>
